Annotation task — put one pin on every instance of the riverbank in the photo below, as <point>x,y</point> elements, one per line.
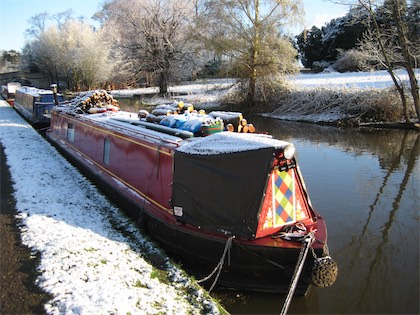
<point>92,259</point>
<point>18,292</point>
<point>339,99</point>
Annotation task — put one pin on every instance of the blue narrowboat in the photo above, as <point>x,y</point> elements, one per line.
<point>36,104</point>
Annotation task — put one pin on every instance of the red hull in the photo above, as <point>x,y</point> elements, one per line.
<point>138,174</point>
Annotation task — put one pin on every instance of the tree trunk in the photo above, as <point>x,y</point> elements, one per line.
<point>254,56</point>
<point>408,58</point>
<point>163,81</point>
<point>252,87</point>
<point>398,85</point>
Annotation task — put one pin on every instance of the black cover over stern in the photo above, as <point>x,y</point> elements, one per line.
<point>221,192</point>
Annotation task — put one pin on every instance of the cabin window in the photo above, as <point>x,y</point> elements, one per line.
<point>107,147</point>
<point>70,132</point>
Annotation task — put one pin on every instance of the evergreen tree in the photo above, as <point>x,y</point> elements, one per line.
<point>309,44</point>
<point>340,34</point>
<point>343,33</point>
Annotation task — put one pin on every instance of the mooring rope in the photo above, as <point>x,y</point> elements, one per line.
<point>308,240</point>
<point>219,265</point>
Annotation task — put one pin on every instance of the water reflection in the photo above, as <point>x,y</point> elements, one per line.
<point>366,184</point>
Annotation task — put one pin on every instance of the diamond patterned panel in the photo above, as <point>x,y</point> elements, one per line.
<point>283,197</point>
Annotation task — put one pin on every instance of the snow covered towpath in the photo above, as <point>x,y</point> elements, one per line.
<point>93,259</point>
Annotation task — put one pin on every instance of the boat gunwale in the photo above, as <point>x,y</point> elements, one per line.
<point>118,130</point>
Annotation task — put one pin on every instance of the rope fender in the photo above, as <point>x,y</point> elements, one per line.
<point>324,270</point>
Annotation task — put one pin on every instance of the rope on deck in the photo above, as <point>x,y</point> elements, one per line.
<point>308,240</point>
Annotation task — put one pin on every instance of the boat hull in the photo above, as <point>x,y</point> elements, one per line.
<point>264,264</point>
<point>35,105</point>
<point>35,114</point>
<point>245,267</point>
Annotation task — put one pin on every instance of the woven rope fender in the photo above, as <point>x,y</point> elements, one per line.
<point>324,272</point>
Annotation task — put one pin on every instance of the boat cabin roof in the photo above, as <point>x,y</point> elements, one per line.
<point>34,91</point>
<point>12,86</point>
<point>124,122</point>
<point>218,143</point>
<point>230,142</point>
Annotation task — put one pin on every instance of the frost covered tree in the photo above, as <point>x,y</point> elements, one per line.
<point>391,39</point>
<point>248,32</point>
<point>46,52</point>
<point>9,61</point>
<point>150,37</point>
<point>343,33</point>
<point>84,55</point>
<point>391,42</point>
<point>70,50</point>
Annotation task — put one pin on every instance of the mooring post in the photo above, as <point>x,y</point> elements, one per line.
<point>54,90</point>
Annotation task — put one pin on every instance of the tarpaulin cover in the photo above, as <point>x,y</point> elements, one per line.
<point>221,192</point>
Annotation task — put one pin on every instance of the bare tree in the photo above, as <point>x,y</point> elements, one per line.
<point>150,35</point>
<point>84,55</point>
<point>37,25</point>
<point>391,45</point>
<point>406,51</point>
<point>389,51</point>
<point>63,17</point>
<point>45,52</point>
<point>248,31</point>
<point>74,52</point>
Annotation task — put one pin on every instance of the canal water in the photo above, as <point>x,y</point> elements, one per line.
<point>366,184</point>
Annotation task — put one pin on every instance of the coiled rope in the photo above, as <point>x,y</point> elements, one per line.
<point>219,265</point>
<point>308,240</point>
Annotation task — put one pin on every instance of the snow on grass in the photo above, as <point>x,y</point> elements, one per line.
<point>331,80</point>
<point>204,93</point>
<point>333,96</point>
<point>93,259</point>
<point>325,87</point>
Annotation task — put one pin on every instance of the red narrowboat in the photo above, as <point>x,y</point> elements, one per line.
<point>8,91</point>
<point>232,208</point>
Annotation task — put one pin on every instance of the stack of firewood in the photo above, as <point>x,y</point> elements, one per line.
<point>100,99</point>
<point>95,101</point>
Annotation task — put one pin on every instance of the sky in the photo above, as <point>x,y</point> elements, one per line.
<point>14,15</point>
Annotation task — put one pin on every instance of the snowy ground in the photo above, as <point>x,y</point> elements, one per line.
<point>93,259</point>
<point>210,92</point>
<point>360,80</point>
<point>325,97</point>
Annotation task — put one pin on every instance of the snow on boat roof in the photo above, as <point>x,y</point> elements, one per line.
<point>230,142</point>
<point>34,91</point>
<point>111,121</point>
